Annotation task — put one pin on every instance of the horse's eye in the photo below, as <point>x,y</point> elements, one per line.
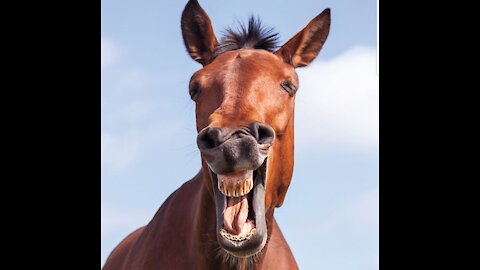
<point>194,92</point>
<point>289,87</point>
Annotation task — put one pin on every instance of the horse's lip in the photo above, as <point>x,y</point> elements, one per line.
<point>256,242</point>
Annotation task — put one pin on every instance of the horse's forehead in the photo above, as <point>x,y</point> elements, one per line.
<point>248,61</point>
<point>261,57</point>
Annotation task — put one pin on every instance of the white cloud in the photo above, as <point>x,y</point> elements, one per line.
<point>137,110</point>
<point>360,215</point>
<point>134,80</point>
<point>125,114</point>
<point>337,102</point>
<point>122,149</point>
<point>115,219</point>
<point>365,210</point>
<point>118,152</point>
<point>110,52</point>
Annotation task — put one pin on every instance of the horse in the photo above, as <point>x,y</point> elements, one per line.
<point>223,218</point>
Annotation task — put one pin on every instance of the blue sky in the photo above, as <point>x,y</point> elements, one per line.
<point>330,214</point>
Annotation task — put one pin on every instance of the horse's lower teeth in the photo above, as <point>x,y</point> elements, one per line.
<point>238,238</point>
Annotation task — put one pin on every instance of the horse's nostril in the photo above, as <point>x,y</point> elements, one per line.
<point>209,138</point>
<point>264,133</point>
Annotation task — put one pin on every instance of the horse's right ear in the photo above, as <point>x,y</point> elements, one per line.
<point>197,32</point>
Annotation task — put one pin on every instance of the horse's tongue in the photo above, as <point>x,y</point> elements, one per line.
<point>235,214</point>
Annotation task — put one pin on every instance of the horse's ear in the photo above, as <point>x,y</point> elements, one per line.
<point>301,49</point>
<point>197,32</point>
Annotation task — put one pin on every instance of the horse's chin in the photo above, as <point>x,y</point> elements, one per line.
<point>253,235</point>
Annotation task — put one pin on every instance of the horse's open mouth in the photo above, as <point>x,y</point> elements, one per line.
<point>240,206</point>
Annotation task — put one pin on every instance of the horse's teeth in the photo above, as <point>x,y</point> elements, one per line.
<point>220,185</point>
<point>235,188</point>
<point>229,236</point>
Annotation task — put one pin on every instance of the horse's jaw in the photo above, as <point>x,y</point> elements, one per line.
<point>245,243</point>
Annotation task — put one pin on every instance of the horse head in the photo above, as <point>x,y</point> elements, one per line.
<point>245,99</point>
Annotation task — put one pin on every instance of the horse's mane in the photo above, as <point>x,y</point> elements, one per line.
<point>254,36</point>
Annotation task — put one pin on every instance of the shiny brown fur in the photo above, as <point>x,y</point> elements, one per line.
<point>238,87</point>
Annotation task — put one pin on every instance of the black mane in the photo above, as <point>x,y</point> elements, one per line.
<point>254,36</point>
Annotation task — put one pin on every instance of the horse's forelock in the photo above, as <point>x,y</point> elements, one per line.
<point>254,36</point>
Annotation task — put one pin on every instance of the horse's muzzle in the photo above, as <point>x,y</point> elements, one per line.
<point>237,160</point>
<point>229,150</point>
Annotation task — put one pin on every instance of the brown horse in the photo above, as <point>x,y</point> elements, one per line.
<point>244,95</point>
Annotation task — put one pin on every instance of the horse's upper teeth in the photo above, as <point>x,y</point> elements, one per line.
<point>236,184</point>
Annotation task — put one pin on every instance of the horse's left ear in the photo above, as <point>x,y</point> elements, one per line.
<point>197,32</point>
<point>301,49</point>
